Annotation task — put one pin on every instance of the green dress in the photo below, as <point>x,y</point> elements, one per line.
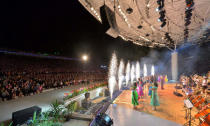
<point>154,99</point>
<point>135,98</point>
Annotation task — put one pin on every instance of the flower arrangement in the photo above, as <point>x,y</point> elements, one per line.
<point>77,92</point>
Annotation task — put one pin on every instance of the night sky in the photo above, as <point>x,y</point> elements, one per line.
<point>60,26</point>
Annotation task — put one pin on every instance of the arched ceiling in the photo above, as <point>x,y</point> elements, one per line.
<point>137,20</point>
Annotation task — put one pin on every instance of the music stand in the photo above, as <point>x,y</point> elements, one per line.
<point>189,107</point>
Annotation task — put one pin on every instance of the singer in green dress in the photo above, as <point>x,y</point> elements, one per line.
<point>135,97</point>
<point>154,99</point>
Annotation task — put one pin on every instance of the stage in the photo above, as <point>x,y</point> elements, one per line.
<point>169,113</point>
<point>123,116</point>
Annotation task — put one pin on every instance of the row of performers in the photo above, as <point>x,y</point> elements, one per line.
<point>138,92</point>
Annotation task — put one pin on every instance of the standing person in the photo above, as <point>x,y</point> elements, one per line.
<point>162,82</point>
<point>154,99</point>
<point>150,90</point>
<point>140,88</point>
<point>134,97</point>
<point>184,82</point>
<point>166,79</point>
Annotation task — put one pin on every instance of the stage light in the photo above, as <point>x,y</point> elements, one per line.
<point>85,57</point>
<point>163,24</point>
<point>129,10</point>
<point>157,9</point>
<point>103,120</point>
<point>139,27</point>
<point>159,2</point>
<point>187,23</point>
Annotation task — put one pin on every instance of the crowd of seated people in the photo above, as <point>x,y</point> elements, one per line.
<point>20,76</point>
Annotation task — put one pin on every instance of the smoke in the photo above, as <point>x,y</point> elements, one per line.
<point>201,31</point>
<point>137,70</point>
<point>132,73</point>
<point>127,73</point>
<point>194,59</point>
<point>121,74</point>
<point>112,82</point>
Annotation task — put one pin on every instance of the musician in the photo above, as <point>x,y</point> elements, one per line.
<point>204,83</point>
<point>184,82</point>
<point>196,80</point>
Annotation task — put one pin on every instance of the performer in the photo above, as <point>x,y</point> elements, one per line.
<point>166,79</point>
<point>159,79</point>
<point>162,82</point>
<point>140,88</point>
<point>154,99</point>
<point>184,82</point>
<point>150,90</point>
<point>134,97</point>
<point>204,84</point>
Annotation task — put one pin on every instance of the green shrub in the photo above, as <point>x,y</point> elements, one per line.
<point>56,110</point>
<point>101,94</point>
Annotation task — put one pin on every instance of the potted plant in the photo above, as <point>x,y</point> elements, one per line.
<point>69,111</point>
<point>56,110</point>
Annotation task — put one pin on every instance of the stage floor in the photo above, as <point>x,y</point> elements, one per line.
<point>170,112</point>
<point>124,116</point>
<point>42,100</point>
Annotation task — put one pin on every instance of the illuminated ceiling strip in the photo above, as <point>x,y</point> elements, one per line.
<point>123,37</point>
<point>124,16</point>
<point>144,38</point>
<point>95,12</point>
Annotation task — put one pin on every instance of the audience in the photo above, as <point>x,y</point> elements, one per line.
<point>22,76</point>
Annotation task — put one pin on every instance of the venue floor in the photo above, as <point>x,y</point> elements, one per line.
<point>170,112</point>
<point>42,100</point>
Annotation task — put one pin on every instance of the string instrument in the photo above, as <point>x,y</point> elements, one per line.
<point>201,101</point>
<point>204,115</point>
<point>195,100</point>
<point>207,121</point>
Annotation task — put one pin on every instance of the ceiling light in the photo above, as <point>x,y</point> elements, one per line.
<point>163,24</point>
<point>139,27</point>
<point>129,10</point>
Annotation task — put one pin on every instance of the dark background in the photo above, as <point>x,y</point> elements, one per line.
<point>65,28</point>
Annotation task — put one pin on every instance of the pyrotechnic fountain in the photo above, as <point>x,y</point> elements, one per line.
<point>120,74</point>
<point>145,70</point>
<point>112,74</point>
<point>137,70</point>
<point>127,73</point>
<point>132,73</point>
<point>153,70</point>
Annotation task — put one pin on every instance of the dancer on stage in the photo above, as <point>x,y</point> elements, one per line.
<point>140,88</point>
<point>166,79</point>
<point>150,90</point>
<point>162,79</point>
<point>134,97</point>
<point>154,99</point>
<point>152,79</point>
